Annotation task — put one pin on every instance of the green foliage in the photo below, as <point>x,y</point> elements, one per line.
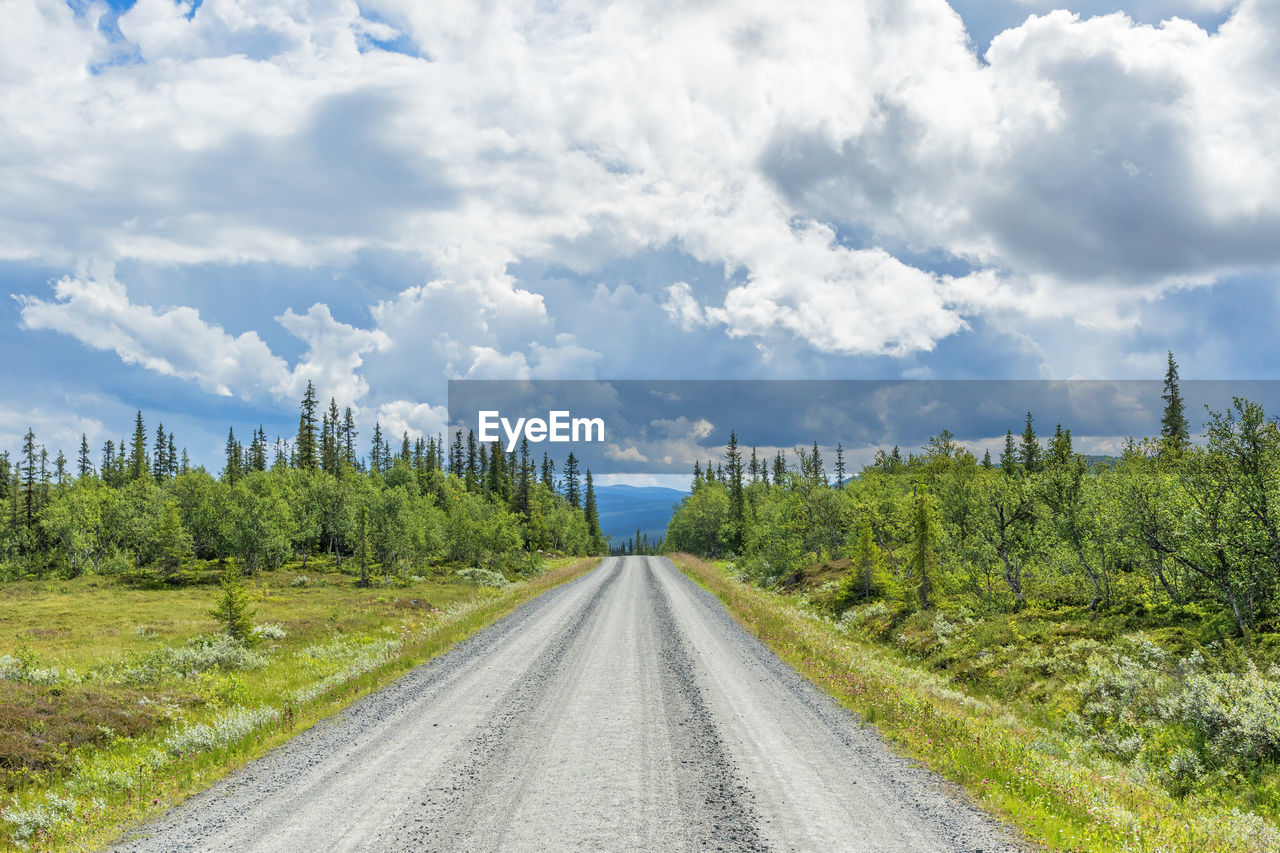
<point>232,610</point>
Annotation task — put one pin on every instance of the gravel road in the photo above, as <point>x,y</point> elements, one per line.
<point>623,711</point>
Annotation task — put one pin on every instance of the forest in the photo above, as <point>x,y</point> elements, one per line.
<point>141,511</point>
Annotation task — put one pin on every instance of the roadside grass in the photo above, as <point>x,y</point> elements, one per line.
<point>118,702</point>
<point>995,734</point>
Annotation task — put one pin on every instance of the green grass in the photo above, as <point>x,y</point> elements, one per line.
<point>111,714</point>
<point>989,731</point>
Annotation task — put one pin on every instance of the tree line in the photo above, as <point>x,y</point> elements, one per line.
<point>1169,520</point>
<point>144,507</point>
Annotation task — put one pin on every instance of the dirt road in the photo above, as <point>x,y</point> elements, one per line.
<point>623,711</point>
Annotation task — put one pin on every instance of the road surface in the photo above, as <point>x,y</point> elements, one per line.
<point>623,711</point>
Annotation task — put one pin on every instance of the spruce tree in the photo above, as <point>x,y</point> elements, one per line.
<point>840,469</point>
<point>1175,433</point>
<point>924,550</point>
<point>159,455</point>
<point>375,448</point>
<point>306,445</point>
<point>349,438</point>
<point>548,472</point>
<point>472,474</point>
<point>138,467</point>
<point>232,609</point>
<point>85,465</point>
<point>986,460</point>
<point>737,504</point>
<point>593,517</point>
<point>1009,456</point>
<point>571,493</point>
<point>232,471</point>
<point>1029,448</point>
<point>30,472</point>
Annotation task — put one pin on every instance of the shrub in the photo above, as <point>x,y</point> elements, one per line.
<point>1238,715</point>
<point>302,580</point>
<point>172,662</point>
<point>482,577</point>
<point>271,631</point>
<point>223,730</point>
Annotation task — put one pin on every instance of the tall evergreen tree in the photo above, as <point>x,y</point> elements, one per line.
<point>349,438</point>
<point>840,470</point>
<point>375,448</point>
<point>548,472</point>
<point>779,467</point>
<point>233,470</point>
<point>1029,448</point>
<point>85,465</point>
<point>571,493</point>
<point>159,455</point>
<point>138,466</point>
<point>1009,456</point>
<point>592,516</point>
<point>306,445</point>
<point>737,505</point>
<point>473,463</point>
<point>29,468</point>
<point>1175,432</point>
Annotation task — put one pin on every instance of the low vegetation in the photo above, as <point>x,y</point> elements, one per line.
<point>117,701</point>
<point>1089,646</point>
<point>1006,742</point>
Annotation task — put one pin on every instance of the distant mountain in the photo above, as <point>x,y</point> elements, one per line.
<point>625,508</point>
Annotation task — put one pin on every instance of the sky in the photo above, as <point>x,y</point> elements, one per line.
<point>205,206</point>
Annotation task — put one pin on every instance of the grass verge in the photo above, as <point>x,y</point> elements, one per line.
<point>118,703</point>
<point>1013,768</point>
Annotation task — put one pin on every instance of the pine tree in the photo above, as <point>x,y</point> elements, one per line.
<point>306,446</point>
<point>779,468</point>
<point>839,465</point>
<point>548,473</point>
<point>1059,452</point>
<point>753,467</point>
<point>349,438</point>
<point>472,473</point>
<point>138,467</point>
<point>737,504</point>
<point>593,517</point>
<point>1029,448</point>
<point>571,493</point>
<point>406,449</point>
<point>1009,456</point>
<point>375,448</point>
<point>331,450</point>
<point>159,455</point>
<point>29,468</point>
<point>818,474</point>
<point>986,460</point>
<point>85,466</point>
<point>697,477</point>
<point>258,450</point>
<point>232,471</point>
<point>232,609</point>
<point>60,468</point>
<point>1175,433</point>
<point>173,458</point>
<point>526,478</point>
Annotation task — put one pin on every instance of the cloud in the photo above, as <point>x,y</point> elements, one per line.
<point>170,341</point>
<point>176,341</point>
<point>419,420</point>
<point>862,180</point>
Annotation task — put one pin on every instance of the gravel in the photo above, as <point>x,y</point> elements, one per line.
<point>623,711</point>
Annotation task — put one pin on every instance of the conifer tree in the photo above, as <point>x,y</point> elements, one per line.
<point>592,517</point>
<point>364,546</point>
<point>30,472</point>
<point>1029,448</point>
<point>473,464</point>
<point>697,477</point>
<point>60,468</point>
<point>1175,433</point>
<point>375,448</point>
<point>548,472</point>
<point>986,460</point>
<point>159,455</point>
<point>232,609</point>
<point>349,438</point>
<point>406,449</point>
<point>779,468</point>
<point>737,505</point>
<point>85,465</point>
<point>1009,456</point>
<point>571,493</point>
<point>306,444</point>
<point>173,458</point>
<point>138,467</point>
<point>840,470</point>
<point>232,471</point>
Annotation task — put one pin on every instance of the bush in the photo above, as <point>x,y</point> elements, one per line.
<point>200,654</point>
<point>482,577</point>
<point>225,729</point>
<point>1237,715</point>
<point>271,631</point>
